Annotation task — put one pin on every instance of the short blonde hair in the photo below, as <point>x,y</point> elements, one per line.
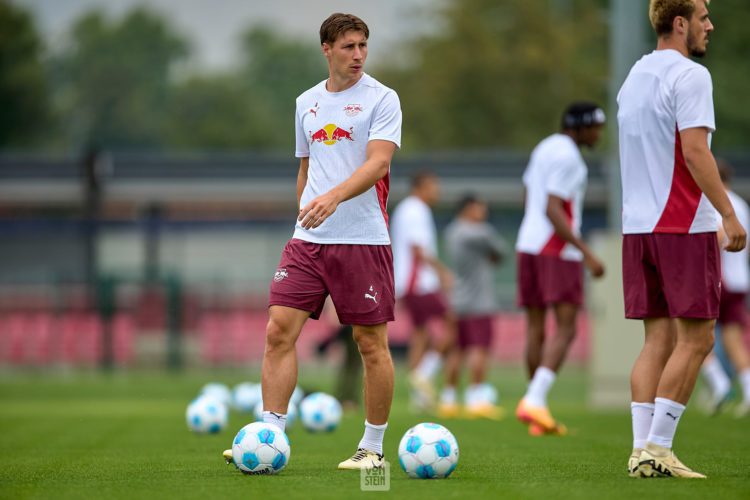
<point>662,13</point>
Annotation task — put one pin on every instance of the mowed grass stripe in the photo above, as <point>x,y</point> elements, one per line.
<point>125,437</point>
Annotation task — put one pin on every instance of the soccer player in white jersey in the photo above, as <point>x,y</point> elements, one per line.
<point>421,280</point>
<point>670,257</point>
<point>347,129</point>
<point>735,283</point>
<point>551,253</point>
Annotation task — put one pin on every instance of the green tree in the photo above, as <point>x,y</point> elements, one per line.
<point>115,80</point>
<point>222,112</point>
<point>24,112</point>
<point>728,61</point>
<point>500,73</point>
<point>251,107</point>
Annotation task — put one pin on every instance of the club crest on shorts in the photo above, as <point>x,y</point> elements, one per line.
<point>280,274</point>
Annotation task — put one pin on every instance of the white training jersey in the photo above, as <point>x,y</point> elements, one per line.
<point>664,94</point>
<point>412,225</point>
<point>556,168</point>
<point>735,275</point>
<point>333,129</point>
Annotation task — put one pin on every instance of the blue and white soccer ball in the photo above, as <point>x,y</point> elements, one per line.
<point>291,413</point>
<point>218,391</point>
<point>428,451</point>
<point>245,396</point>
<point>206,414</point>
<point>320,412</point>
<point>298,395</point>
<point>260,448</point>
<point>488,393</point>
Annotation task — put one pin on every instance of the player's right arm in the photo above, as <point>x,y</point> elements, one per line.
<point>556,215</point>
<point>444,273</point>
<point>702,165</point>
<point>304,163</point>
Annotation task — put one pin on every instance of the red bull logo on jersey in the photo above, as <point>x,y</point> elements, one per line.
<point>353,109</point>
<point>331,134</point>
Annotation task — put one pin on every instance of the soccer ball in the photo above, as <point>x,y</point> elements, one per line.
<point>206,414</point>
<point>298,395</point>
<point>291,413</point>
<point>218,391</point>
<point>428,451</point>
<point>260,448</point>
<point>245,396</point>
<point>320,412</point>
<point>488,393</point>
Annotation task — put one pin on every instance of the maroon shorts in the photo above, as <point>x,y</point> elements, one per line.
<point>732,308</point>
<point>423,307</point>
<point>359,279</point>
<point>474,331</point>
<point>671,275</point>
<point>544,280</point>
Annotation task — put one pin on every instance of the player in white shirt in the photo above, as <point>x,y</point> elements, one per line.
<point>670,256</point>
<point>735,284</point>
<point>347,129</point>
<point>420,282</point>
<point>551,253</point>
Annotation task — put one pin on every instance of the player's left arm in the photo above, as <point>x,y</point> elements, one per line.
<point>379,155</point>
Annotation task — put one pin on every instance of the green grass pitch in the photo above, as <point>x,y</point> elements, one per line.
<point>123,435</point>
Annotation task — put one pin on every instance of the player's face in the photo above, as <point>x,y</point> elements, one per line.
<point>431,190</point>
<point>590,135</point>
<point>479,211</point>
<point>699,29</point>
<point>346,56</point>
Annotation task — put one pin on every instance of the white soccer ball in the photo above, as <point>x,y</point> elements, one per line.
<point>206,414</point>
<point>488,393</point>
<point>428,451</point>
<point>298,395</point>
<point>218,391</point>
<point>291,413</point>
<point>245,396</point>
<point>260,448</point>
<point>320,412</point>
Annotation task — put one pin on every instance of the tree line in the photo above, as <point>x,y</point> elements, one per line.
<point>494,75</point>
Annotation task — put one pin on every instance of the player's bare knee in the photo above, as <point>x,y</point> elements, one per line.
<point>372,348</point>
<point>278,336</point>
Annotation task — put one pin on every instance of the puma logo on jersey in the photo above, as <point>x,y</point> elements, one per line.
<point>314,110</point>
<point>373,297</point>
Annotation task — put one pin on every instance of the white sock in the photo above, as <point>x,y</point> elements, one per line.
<point>373,437</point>
<point>429,364</point>
<point>666,417</point>
<point>536,394</point>
<point>744,378</point>
<point>643,415</point>
<point>277,419</point>
<point>448,395</point>
<point>716,377</point>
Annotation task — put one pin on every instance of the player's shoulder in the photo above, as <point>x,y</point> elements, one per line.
<point>311,93</point>
<point>377,90</point>
<point>674,66</point>
<point>556,145</point>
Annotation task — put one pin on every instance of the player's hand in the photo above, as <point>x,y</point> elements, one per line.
<point>594,265</point>
<point>318,210</point>
<point>736,236</point>
<point>446,280</point>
